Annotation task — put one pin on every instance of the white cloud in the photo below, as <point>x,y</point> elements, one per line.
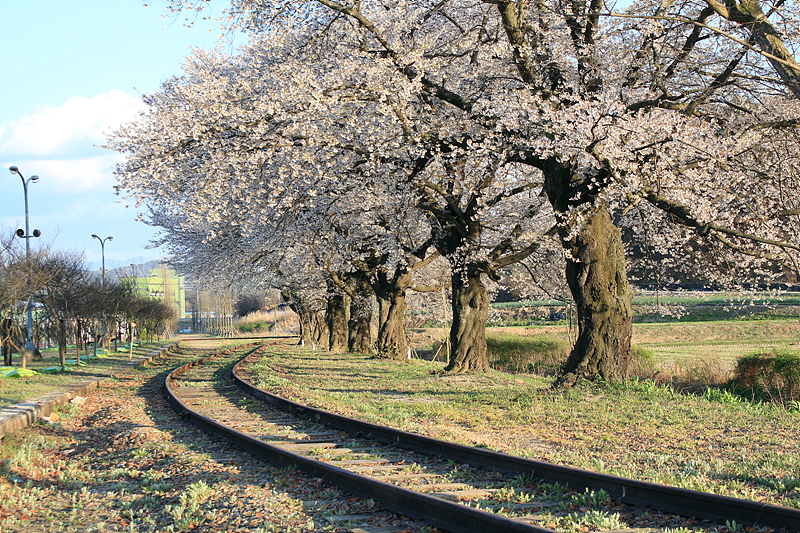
<point>69,130</point>
<point>72,175</point>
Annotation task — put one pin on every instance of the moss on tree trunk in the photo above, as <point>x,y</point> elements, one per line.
<point>597,277</point>
<point>360,323</point>
<point>468,332</point>
<point>336,317</point>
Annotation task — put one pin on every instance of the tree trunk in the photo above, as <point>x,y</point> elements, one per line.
<point>360,336</point>
<point>78,339</point>
<point>360,324</point>
<point>305,317</point>
<point>62,343</point>
<point>392,339</point>
<point>597,277</point>
<point>6,333</point>
<point>468,332</point>
<point>336,317</point>
<point>320,328</point>
<point>391,295</point>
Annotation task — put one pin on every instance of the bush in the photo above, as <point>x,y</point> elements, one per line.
<point>642,363</point>
<point>536,355</point>
<point>253,327</point>
<point>772,374</point>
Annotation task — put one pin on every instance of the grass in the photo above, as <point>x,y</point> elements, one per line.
<point>268,322</point>
<point>259,326</point>
<point>694,298</point>
<point>16,390</point>
<point>94,471</point>
<point>638,429</point>
<point>672,307</point>
<point>540,354</point>
<point>693,352</point>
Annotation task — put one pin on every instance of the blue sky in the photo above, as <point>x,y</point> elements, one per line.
<point>70,71</point>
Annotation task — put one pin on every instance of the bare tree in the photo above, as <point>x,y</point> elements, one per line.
<point>68,283</point>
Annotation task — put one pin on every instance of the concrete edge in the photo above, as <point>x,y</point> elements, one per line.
<point>20,415</point>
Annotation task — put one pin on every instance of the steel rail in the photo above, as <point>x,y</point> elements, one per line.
<point>459,518</point>
<point>438,512</point>
<point>685,502</point>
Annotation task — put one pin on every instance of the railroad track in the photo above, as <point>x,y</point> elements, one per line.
<point>453,487</point>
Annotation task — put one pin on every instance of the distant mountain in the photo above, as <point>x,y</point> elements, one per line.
<point>139,266</point>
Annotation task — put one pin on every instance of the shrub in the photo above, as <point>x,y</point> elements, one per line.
<point>536,355</point>
<point>642,363</point>
<point>251,327</point>
<point>773,374</point>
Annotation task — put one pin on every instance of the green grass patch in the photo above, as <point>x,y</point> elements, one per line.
<point>540,354</point>
<point>638,429</point>
<point>259,326</point>
<point>49,377</point>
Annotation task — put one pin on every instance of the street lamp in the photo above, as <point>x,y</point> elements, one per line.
<point>103,254</point>
<point>30,348</point>
<point>103,279</point>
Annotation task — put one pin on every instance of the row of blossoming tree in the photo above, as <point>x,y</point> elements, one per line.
<point>350,144</point>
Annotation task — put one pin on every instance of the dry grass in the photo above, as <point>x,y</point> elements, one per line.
<point>284,322</point>
<point>637,429</point>
<point>122,462</point>
<point>698,353</point>
<point>15,390</point>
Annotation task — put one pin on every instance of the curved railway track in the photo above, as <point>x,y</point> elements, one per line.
<point>454,487</point>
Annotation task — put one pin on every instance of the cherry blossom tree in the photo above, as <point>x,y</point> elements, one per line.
<point>681,113</point>
<point>665,126</point>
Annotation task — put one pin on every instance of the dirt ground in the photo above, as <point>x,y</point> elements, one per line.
<point>121,461</point>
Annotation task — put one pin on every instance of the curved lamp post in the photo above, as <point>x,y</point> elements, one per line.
<point>103,254</point>
<point>30,347</point>
<point>103,279</point>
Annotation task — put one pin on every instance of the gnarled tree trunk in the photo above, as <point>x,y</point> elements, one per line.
<point>336,317</point>
<point>319,328</point>
<point>468,333</point>
<point>359,325</point>
<point>597,278</point>
<point>305,318</point>
<point>391,295</point>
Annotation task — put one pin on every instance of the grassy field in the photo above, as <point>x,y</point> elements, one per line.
<point>703,352</point>
<point>121,462</point>
<point>687,298</point>
<point>712,442</point>
<point>680,306</point>
<point>15,390</point>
